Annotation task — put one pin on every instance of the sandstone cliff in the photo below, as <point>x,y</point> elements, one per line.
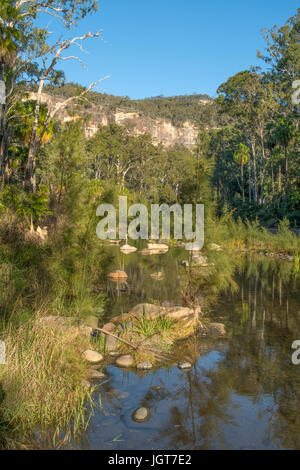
<point>162,131</point>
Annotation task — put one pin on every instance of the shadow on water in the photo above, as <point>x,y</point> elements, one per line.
<point>243,392</point>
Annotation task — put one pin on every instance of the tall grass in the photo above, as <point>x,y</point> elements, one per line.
<point>41,380</point>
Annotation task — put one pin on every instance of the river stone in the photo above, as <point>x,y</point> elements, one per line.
<point>110,343</point>
<point>86,384</point>
<point>109,327</point>
<point>144,365</point>
<point>149,310</point>
<point>184,365</point>
<point>117,274</point>
<point>95,374</point>
<point>178,313</point>
<point>92,356</point>
<point>114,353</point>
<point>141,414</point>
<point>125,361</point>
<point>217,329</point>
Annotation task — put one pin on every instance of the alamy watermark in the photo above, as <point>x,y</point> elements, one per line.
<point>184,223</point>
<point>2,92</point>
<point>2,352</point>
<point>296,94</point>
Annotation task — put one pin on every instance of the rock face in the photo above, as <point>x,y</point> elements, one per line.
<point>162,131</point>
<point>92,356</point>
<point>125,361</point>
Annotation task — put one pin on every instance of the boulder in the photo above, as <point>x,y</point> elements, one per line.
<point>109,327</point>
<point>92,356</point>
<point>178,313</point>
<point>217,329</point>
<point>111,343</point>
<point>124,361</point>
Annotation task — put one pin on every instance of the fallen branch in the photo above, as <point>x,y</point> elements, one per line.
<point>129,344</point>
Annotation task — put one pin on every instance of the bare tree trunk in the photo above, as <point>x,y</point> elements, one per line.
<point>254,169</point>
<point>249,178</point>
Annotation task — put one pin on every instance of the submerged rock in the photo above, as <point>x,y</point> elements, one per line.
<point>141,414</point>
<point>125,361</point>
<point>92,356</point>
<point>144,365</point>
<point>184,365</point>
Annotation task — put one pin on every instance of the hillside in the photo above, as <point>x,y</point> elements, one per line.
<point>169,120</point>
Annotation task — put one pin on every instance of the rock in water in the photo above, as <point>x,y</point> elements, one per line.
<point>125,361</point>
<point>217,329</point>
<point>86,384</point>
<point>92,356</point>
<point>96,374</point>
<point>128,249</point>
<point>184,365</point>
<point>117,275</point>
<point>144,365</point>
<point>141,414</point>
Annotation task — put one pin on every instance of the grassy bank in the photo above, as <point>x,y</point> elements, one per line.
<point>43,396</point>
<point>233,234</point>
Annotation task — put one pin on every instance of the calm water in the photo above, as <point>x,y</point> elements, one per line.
<point>242,392</point>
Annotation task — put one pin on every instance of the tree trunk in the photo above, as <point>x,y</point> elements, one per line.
<point>286,183</point>
<point>242,178</point>
<point>30,169</point>
<point>254,170</point>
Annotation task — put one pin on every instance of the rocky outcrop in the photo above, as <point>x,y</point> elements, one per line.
<point>162,131</point>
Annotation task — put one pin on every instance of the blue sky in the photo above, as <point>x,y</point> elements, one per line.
<point>173,47</point>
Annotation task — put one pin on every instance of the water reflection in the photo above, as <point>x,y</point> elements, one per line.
<point>242,392</point>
